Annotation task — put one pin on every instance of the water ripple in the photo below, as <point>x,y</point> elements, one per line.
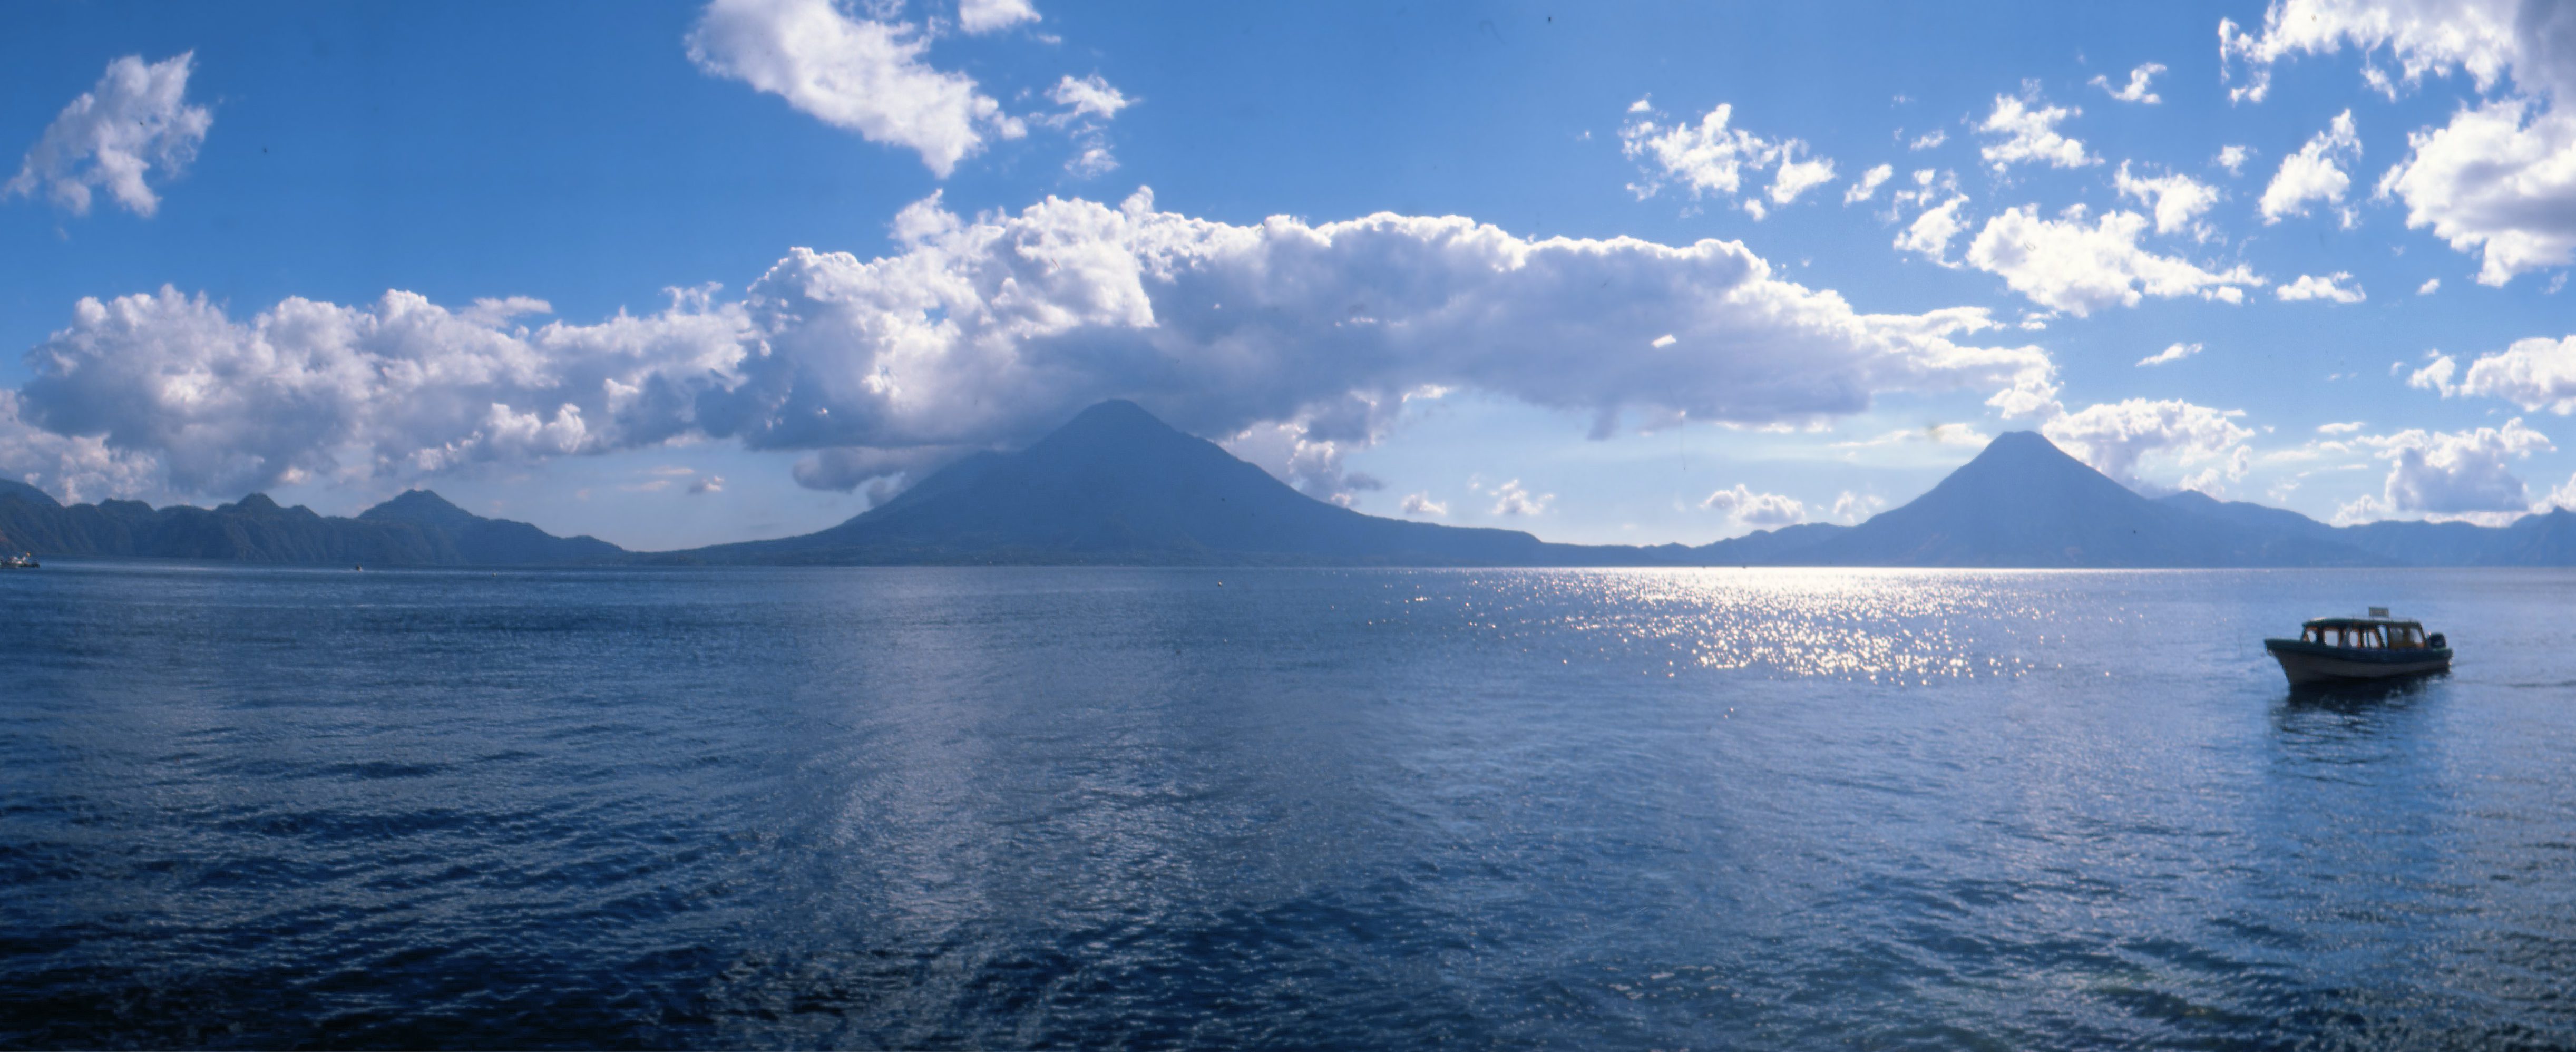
<point>1025,807</point>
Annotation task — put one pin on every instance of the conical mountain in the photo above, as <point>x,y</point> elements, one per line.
<point>1117,485</point>
<point>2023,502</point>
<point>421,507</point>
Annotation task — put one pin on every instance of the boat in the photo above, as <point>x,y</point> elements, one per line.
<point>2359,649</point>
<point>20,561</point>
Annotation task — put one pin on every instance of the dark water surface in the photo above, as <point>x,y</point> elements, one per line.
<point>1030,807</point>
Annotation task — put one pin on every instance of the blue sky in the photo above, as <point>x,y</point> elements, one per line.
<point>1486,264</point>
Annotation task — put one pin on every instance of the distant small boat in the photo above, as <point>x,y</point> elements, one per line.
<point>20,561</point>
<point>2359,649</point>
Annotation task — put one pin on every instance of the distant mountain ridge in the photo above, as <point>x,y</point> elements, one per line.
<point>418,528</point>
<point>1117,486</point>
<point>2024,503</point>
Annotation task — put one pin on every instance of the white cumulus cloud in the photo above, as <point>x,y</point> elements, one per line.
<point>1758,510</point>
<point>1088,104</point>
<point>1930,233</point>
<point>2070,265</point>
<point>2499,179</point>
<point>2233,158</point>
<point>2029,135</point>
<point>985,16</point>
<point>74,468</point>
<point>2176,199</point>
<point>2332,288</point>
<point>1087,97</point>
<point>1796,177</point>
<point>403,385</point>
<point>1706,157</point>
<point>1710,157</point>
<point>1422,504</point>
<point>2457,472</point>
<point>2425,36</point>
<point>1511,498</point>
<point>858,74</point>
<point>1868,184</point>
<point>2115,436</point>
<point>2313,173</point>
<point>136,124</point>
<point>2536,374</point>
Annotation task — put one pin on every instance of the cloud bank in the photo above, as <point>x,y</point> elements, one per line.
<point>2453,474</point>
<point>983,332</point>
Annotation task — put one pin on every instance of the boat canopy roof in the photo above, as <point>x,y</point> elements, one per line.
<point>2358,622</point>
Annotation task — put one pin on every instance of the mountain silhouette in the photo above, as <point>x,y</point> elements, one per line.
<point>418,528</point>
<point>471,539</point>
<point>1117,485</point>
<point>2023,502</point>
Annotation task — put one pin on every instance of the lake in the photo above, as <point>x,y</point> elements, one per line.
<point>1341,808</point>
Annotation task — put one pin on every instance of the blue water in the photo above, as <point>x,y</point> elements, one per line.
<point>1306,808</point>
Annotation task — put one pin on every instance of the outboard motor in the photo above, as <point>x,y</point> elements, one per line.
<point>2436,642</point>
